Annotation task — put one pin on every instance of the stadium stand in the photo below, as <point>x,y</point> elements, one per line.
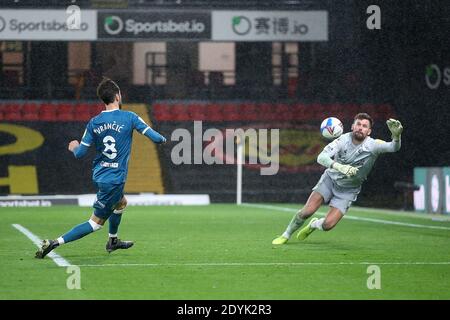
<point>291,184</point>
<point>42,111</point>
<point>168,116</point>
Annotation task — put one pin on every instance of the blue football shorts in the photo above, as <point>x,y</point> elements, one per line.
<point>108,196</point>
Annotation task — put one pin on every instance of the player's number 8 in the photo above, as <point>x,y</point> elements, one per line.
<point>110,145</point>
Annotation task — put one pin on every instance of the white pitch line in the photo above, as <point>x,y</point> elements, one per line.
<point>404,224</point>
<point>60,261</point>
<point>409,214</point>
<point>256,264</point>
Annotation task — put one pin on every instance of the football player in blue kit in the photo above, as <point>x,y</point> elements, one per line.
<point>111,133</point>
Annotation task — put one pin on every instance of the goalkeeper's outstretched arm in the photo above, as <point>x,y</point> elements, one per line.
<point>396,129</point>
<point>325,160</point>
<point>381,146</point>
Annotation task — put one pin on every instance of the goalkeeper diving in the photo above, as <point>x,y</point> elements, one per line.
<point>348,160</point>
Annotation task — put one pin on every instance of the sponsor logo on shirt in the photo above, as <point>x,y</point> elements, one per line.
<point>109,164</point>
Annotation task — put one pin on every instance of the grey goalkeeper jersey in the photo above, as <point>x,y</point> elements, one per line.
<point>361,156</point>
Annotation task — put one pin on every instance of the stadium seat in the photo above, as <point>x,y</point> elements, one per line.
<point>315,111</point>
<point>386,111</point>
<point>31,108</point>
<point>161,112</point>
<point>353,108</point>
<point>298,112</point>
<point>197,111</point>
<point>65,116</point>
<point>179,112</point>
<point>64,108</point>
<point>369,108</point>
<point>249,112</point>
<point>97,109</point>
<point>86,111</point>
<point>30,116</point>
<point>266,111</point>
<point>350,110</point>
<point>13,116</point>
<point>283,112</point>
<point>47,108</point>
<point>30,111</point>
<point>82,116</point>
<point>82,108</point>
<point>12,108</point>
<point>214,112</point>
<point>47,112</point>
<point>333,108</point>
<point>64,112</point>
<point>230,108</point>
<point>230,112</point>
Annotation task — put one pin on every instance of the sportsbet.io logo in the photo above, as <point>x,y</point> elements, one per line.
<point>434,76</point>
<point>241,25</point>
<point>113,25</point>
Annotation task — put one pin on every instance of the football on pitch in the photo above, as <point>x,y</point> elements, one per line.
<point>331,128</point>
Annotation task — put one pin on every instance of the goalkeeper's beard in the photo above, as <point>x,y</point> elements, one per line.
<point>358,136</point>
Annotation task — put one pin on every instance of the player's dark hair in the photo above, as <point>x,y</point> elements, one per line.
<point>363,115</point>
<point>107,90</point>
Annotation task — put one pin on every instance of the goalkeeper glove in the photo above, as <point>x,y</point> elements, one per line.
<point>345,169</point>
<point>396,128</point>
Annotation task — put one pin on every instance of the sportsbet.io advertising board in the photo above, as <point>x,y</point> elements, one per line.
<point>433,195</point>
<point>48,25</point>
<point>148,25</point>
<point>139,25</point>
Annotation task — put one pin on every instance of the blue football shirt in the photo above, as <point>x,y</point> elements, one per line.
<point>112,133</point>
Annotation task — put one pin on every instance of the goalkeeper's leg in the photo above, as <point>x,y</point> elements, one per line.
<point>314,202</point>
<point>334,215</point>
<point>324,224</point>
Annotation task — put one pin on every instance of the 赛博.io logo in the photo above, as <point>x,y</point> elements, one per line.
<point>241,25</point>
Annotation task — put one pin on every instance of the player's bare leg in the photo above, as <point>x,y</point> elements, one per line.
<point>314,202</point>
<point>334,215</point>
<point>332,218</point>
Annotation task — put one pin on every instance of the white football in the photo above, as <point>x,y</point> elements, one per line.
<point>331,128</point>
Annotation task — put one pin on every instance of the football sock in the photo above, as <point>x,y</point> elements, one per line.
<point>80,231</point>
<point>293,226</point>
<point>318,224</point>
<point>114,221</point>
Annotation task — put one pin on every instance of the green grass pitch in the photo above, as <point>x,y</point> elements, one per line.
<point>224,251</point>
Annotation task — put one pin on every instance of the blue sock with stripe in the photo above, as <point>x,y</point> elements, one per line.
<point>78,232</point>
